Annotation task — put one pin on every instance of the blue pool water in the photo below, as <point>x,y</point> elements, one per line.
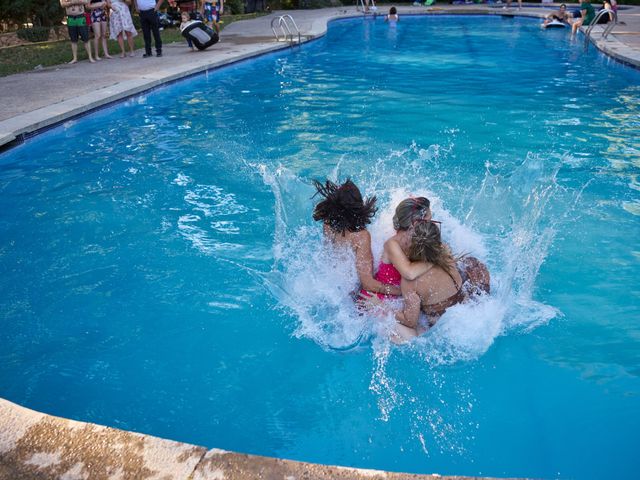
<point>161,272</point>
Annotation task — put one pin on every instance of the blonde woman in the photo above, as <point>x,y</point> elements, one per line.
<point>449,281</point>
<point>121,24</point>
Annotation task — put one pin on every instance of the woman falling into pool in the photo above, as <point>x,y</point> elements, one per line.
<point>345,215</point>
<point>449,281</point>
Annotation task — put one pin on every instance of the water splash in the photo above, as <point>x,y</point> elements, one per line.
<point>506,218</point>
<point>504,225</point>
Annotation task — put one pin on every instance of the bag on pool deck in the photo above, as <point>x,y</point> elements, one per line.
<point>201,35</point>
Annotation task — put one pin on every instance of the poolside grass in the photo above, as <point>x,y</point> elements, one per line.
<point>23,58</point>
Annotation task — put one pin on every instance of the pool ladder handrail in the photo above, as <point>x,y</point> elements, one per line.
<point>285,23</point>
<point>607,29</point>
<point>361,7</point>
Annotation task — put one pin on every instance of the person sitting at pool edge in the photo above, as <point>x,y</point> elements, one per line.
<point>587,15</point>
<point>345,216</point>
<point>560,15</point>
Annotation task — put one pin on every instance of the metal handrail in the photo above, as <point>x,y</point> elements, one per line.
<point>361,7</point>
<point>285,24</point>
<point>607,29</point>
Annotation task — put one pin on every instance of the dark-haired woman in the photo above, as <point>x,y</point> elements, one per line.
<point>448,282</point>
<point>345,215</point>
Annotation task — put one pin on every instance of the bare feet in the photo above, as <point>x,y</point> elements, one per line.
<point>122,55</point>
<point>97,59</point>
<point>92,60</point>
<point>75,60</point>
<point>108,56</point>
<point>132,54</point>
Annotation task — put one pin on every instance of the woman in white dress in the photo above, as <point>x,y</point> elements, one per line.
<point>120,24</point>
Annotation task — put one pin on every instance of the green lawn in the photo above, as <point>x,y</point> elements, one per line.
<point>27,57</point>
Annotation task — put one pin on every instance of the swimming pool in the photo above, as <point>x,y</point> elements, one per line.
<point>161,272</point>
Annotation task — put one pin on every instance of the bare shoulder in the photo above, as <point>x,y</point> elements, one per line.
<point>361,236</point>
<point>391,243</point>
<point>360,239</point>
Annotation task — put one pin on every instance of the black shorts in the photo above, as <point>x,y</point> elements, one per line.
<point>76,30</point>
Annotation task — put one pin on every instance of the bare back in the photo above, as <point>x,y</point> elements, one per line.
<point>360,243</point>
<point>434,286</point>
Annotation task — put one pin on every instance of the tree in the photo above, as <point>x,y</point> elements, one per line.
<point>39,12</point>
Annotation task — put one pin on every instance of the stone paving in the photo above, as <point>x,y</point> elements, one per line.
<point>34,445</point>
<point>34,100</point>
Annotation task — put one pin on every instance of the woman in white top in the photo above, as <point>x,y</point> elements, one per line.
<point>393,17</point>
<point>121,23</point>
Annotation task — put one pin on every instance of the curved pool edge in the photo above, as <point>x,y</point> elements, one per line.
<point>245,40</point>
<point>37,445</point>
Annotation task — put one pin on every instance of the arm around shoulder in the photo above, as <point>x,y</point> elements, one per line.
<point>408,270</point>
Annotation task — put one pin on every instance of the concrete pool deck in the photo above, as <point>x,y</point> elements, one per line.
<point>36,445</point>
<point>41,98</point>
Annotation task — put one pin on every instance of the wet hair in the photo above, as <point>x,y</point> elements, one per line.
<point>393,11</point>
<point>563,5</point>
<point>343,207</point>
<point>410,210</point>
<point>427,246</point>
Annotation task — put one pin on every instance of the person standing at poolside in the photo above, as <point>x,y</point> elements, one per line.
<point>587,15</point>
<point>121,24</point>
<point>211,11</point>
<point>519,4</point>
<point>77,26</point>
<point>148,11</point>
<point>98,9</point>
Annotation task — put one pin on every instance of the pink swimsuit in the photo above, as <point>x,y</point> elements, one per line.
<point>388,274</point>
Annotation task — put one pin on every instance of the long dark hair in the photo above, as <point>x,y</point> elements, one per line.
<point>427,246</point>
<point>343,207</point>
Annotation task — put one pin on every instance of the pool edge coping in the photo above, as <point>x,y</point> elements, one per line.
<point>38,445</point>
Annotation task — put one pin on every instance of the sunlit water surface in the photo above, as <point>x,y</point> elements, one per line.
<point>161,271</point>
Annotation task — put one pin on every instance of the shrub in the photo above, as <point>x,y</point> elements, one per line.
<point>236,7</point>
<point>322,3</point>
<point>35,34</point>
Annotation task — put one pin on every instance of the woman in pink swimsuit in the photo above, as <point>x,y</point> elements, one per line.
<point>394,264</point>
